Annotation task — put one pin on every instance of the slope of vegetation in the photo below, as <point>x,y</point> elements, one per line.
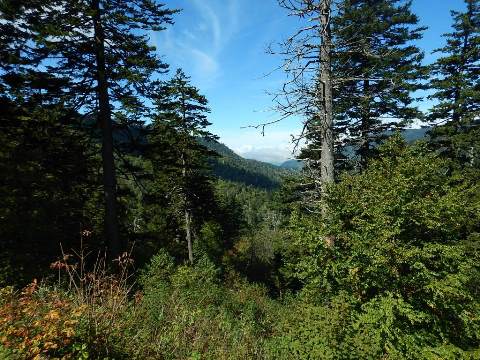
<point>232,167</point>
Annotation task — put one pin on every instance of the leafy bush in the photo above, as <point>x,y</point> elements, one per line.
<point>401,239</point>
<point>104,297</point>
<point>39,323</point>
<point>308,331</point>
<point>80,318</point>
<point>181,312</point>
<point>390,271</point>
<point>185,312</point>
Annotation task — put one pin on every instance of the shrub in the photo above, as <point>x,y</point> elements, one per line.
<point>403,245</point>
<point>39,323</point>
<point>185,312</point>
<point>104,296</point>
<point>307,331</point>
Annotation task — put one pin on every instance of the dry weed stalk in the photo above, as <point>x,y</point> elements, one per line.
<point>101,290</point>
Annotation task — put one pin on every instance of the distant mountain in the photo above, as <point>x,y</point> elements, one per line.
<point>232,167</point>
<point>227,165</point>
<point>412,135</point>
<point>292,165</point>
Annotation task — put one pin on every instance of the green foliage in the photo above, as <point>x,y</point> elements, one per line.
<point>401,239</point>
<point>93,60</point>
<point>186,312</point>
<point>254,206</point>
<point>50,118</point>
<point>456,89</point>
<point>388,268</point>
<point>46,165</point>
<point>157,270</point>
<point>259,257</point>
<point>252,222</point>
<point>456,77</point>
<point>210,241</point>
<point>306,331</point>
<point>390,272</point>
<point>180,173</point>
<point>232,167</point>
<point>7,354</point>
<point>378,67</point>
<point>59,42</point>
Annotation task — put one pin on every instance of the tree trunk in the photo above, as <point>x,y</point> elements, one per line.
<point>114,245</point>
<point>457,111</point>
<point>188,231</point>
<point>364,149</point>
<point>326,97</point>
<point>187,213</point>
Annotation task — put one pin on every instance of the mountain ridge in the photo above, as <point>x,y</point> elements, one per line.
<point>230,166</point>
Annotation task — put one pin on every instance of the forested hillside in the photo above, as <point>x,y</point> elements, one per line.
<point>230,166</point>
<point>128,230</point>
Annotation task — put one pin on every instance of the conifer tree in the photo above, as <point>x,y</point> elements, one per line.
<point>46,181</point>
<point>22,79</point>
<point>102,50</point>
<point>175,150</point>
<point>376,67</point>
<point>456,85</point>
<point>47,165</point>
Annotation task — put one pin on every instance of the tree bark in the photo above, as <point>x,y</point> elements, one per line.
<point>364,149</point>
<point>326,97</point>
<point>187,213</point>
<point>188,231</point>
<point>114,244</point>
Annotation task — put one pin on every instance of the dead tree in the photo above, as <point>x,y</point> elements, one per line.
<point>307,91</point>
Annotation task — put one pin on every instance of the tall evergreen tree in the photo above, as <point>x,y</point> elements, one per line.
<point>47,165</point>
<point>180,122</point>
<point>22,79</point>
<point>376,68</point>
<point>101,48</point>
<point>456,83</point>
<point>47,184</point>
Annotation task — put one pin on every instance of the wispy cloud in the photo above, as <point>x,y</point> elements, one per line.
<point>211,22</point>
<point>202,32</point>
<point>205,63</point>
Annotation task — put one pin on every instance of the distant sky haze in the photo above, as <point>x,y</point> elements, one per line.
<point>222,45</point>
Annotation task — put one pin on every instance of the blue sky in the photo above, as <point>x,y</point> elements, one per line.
<point>221,45</point>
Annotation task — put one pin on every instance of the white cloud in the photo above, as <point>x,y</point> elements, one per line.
<point>209,15</point>
<point>274,155</point>
<point>205,63</point>
<point>198,45</point>
<point>275,147</point>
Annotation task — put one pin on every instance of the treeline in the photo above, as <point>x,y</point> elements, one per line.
<point>95,139</point>
<point>232,167</point>
<point>383,246</point>
<point>356,74</point>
